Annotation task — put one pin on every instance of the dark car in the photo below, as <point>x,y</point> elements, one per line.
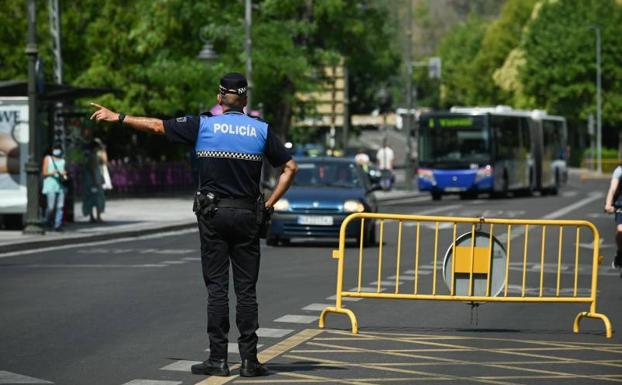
<point>324,192</point>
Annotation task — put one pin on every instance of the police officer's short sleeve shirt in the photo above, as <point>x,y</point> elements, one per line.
<point>230,149</point>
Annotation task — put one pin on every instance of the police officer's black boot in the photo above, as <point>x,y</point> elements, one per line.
<point>252,368</point>
<point>212,367</point>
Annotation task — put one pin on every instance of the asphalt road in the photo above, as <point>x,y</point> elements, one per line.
<point>133,312</point>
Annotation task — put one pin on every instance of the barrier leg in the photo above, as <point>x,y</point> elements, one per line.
<point>587,314</point>
<point>348,312</point>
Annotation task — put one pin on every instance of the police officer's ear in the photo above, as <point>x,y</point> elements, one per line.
<point>219,98</point>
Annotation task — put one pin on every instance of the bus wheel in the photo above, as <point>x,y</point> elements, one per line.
<point>436,196</point>
<point>555,188</point>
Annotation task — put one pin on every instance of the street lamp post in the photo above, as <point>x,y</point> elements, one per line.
<point>410,103</point>
<point>599,104</point>
<point>33,222</point>
<point>248,20</point>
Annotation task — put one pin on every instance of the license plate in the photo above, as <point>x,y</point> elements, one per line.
<point>454,189</point>
<point>315,220</point>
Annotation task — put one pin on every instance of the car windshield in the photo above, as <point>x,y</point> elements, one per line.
<point>454,139</point>
<point>322,174</point>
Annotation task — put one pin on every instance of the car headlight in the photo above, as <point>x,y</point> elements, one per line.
<point>427,175</point>
<point>353,206</point>
<point>483,172</point>
<point>281,205</point>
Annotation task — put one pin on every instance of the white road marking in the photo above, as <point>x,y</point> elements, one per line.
<point>436,210</point>
<point>87,243</point>
<point>232,348</point>
<point>273,333</point>
<point>568,209</point>
<point>316,307</point>
<point>385,283</point>
<point>191,258</point>
<point>368,289</point>
<point>180,366</point>
<point>297,319</point>
<point>152,382</point>
<point>81,266</point>
<point>347,299</point>
<point>14,378</point>
<point>174,262</point>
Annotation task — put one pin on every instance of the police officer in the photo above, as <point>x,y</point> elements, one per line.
<point>230,149</point>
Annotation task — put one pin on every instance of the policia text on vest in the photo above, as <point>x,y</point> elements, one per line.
<point>230,149</point>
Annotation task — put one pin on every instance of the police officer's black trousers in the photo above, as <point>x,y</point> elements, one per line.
<point>231,234</point>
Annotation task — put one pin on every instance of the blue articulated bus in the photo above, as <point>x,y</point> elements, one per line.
<point>495,150</point>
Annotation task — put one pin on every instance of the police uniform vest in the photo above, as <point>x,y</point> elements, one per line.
<point>232,135</point>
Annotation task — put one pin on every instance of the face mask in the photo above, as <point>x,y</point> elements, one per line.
<point>57,152</point>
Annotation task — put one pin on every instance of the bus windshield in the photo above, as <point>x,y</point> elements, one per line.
<point>454,139</point>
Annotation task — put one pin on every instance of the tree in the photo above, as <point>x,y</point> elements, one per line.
<point>502,36</point>
<point>458,51</point>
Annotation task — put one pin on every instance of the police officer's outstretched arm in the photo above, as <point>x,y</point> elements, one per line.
<point>285,180</point>
<point>151,125</point>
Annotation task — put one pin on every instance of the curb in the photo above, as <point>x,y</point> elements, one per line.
<point>21,246</point>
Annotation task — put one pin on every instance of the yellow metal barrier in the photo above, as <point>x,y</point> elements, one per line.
<point>472,261</point>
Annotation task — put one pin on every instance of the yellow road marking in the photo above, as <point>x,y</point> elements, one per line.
<point>486,364</point>
<point>268,354</point>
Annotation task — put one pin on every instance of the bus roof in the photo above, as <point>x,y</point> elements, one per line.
<point>502,110</point>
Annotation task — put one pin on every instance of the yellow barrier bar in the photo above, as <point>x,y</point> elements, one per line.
<point>542,259</point>
<point>361,253</point>
<point>507,262</point>
<point>490,240</point>
<point>559,258</point>
<point>576,261</point>
<point>472,259</point>
<point>399,255</point>
<point>417,259</point>
<point>435,258</point>
<point>380,253</point>
<point>525,259</point>
<point>453,260</point>
<point>467,298</point>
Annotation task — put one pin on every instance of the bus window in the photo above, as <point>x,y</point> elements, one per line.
<point>553,138</point>
<point>509,141</point>
<point>451,139</point>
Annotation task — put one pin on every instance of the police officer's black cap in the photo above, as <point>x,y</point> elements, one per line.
<point>233,83</point>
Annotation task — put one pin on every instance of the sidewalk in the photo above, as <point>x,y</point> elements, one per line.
<point>130,218</point>
<point>122,218</point>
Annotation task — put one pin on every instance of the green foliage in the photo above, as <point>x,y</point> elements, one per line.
<point>458,50</point>
<point>501,37</point>
<point>607,153</point>
<point>560,70</point>
<point>147,51</point>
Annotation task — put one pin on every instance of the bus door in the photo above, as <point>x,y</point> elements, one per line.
<point>513,152</point>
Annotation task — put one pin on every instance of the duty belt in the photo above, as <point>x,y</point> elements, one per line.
<point>237,203</point>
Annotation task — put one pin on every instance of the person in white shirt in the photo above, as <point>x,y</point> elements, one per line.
<point>385,156</point>
<point>613,205</point>
<point>362,159</point>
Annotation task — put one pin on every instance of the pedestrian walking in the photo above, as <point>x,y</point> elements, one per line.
<point>93,195</point>
<point>229,208</point>
<point>385,158</point>
<point>54,176</point>
<point>613,205</point>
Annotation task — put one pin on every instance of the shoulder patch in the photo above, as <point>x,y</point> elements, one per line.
<point>182,119</point>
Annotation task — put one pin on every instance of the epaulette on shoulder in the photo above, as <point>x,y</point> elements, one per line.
<point>257,118</point>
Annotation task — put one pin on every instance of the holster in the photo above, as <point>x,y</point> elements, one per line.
<point>205,204</point>
<point>264,215</point>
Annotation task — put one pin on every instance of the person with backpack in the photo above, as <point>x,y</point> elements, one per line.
<point>613,205</point>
